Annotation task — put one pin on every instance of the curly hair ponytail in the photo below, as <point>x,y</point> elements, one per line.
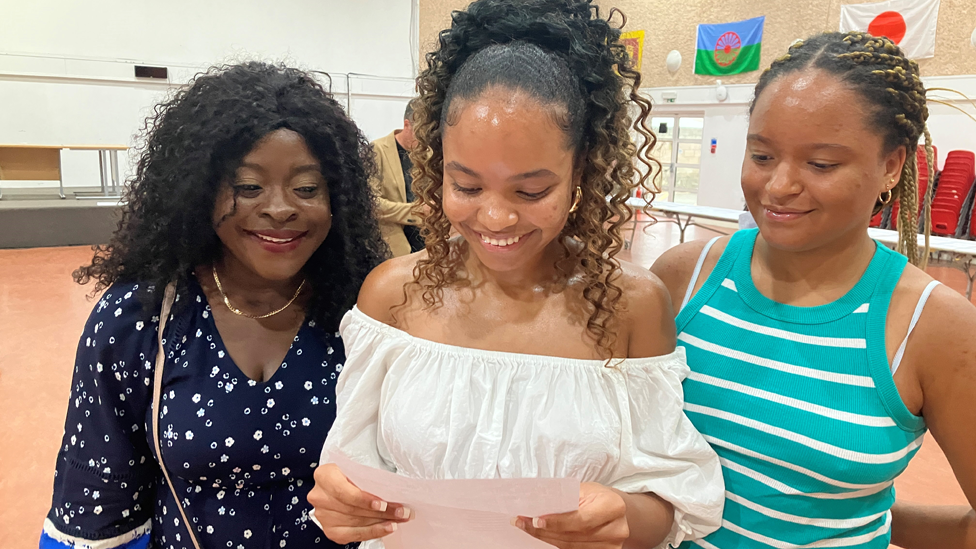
<point>563,54</point>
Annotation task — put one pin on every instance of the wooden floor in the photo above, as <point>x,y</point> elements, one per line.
<point>42,313</point>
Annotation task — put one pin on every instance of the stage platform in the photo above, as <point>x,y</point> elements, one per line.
<point>35,218</point>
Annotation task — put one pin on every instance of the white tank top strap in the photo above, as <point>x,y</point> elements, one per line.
<point>896,361</point>
<point>697,272</point>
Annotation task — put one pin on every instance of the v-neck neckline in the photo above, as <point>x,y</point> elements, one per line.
<point>222,347</point>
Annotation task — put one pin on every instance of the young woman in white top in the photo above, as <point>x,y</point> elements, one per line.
<point>523,348</point>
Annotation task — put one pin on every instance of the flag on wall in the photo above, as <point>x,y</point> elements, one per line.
<point>634,42</point>
<point>908,23</point>
<point>729,48</point>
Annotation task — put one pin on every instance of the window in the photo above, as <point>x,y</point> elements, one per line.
<point>679,150</point>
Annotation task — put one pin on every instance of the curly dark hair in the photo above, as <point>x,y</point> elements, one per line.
<point>193,143</point>
<point>891,86</point>
<point>564,55</point>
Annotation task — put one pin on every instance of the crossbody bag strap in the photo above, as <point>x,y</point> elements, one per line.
<point>169,297</point>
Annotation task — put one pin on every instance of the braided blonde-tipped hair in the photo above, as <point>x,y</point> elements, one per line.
<point>890,84</point>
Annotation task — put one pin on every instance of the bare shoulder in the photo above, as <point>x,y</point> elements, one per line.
<point>642,288</point>
<point>943,303</point>
<point>941,374</point>
<point>675,266</point>
<point>646,315</point>
<point>384,287</point>
<point>941,349</point>
<point>947,322</point>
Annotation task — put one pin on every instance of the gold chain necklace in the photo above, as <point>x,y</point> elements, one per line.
<point>237,311</point>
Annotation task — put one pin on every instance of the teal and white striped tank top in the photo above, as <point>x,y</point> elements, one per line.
<point>800,405</point>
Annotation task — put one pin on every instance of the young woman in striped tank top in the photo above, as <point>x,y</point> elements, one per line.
<point>819,358</point>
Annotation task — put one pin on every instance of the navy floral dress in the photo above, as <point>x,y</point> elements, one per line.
<point>241,453</point>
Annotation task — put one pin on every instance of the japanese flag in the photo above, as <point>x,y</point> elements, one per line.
<point>908,23</point>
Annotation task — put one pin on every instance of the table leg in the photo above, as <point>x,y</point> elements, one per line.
<point>60,176</point>
<point>115,172</point>
<point>962,262</point>
<point>108,169</point>
<point>970,275</point>
<point>102,168</point>
<point>683,228</point>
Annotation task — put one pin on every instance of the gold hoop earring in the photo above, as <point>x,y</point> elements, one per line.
<point>885,201</point>
<point>577,198</point>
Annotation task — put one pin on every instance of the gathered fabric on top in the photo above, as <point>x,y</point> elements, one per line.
<point>435,411</point>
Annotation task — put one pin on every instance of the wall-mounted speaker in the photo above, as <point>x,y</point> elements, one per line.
<point>143,71</point>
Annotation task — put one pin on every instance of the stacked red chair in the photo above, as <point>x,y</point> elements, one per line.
<point>876,220</point>
<point>955,182</point>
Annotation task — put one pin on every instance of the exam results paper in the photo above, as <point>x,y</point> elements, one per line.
<point>470,514</point>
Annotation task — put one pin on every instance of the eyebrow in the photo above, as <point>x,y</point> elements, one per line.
<point>837,146</point>
<point>454,165</point>
<point>766,141</point>
<point>304,168</point>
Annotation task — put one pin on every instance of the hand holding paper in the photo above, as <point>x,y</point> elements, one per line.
<point>444,514</point>
<point>600,521</point>
<point>347,514</point>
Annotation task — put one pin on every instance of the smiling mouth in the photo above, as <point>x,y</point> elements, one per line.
<point>274,240</point>
<point>779,212</point>
<point>500,243</point>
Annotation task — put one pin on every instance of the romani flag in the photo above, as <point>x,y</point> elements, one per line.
<point>908,23</point>
<point>729,48</point>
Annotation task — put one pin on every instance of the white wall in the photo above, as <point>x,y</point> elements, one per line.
<point>366,36</point>
<point>728,123</point>
<point>66,67</point>
<point>719,175</point>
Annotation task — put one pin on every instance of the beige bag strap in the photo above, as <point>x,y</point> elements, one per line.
<point>169,297</point>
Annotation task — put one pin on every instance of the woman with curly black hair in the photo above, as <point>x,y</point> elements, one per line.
<point>199,427</point>
<point>523,348</point>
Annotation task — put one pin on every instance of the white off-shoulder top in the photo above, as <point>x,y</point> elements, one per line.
<point>436,411</point>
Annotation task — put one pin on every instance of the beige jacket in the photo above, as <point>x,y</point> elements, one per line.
<point>392,209</point>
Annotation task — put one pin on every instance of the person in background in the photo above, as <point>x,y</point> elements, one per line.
<point>252,196</point>
<point>396,208</point>
<point>820,357</point>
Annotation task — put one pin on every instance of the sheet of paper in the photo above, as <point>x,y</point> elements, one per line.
<point>469,514</point>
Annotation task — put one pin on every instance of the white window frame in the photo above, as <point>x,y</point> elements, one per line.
<point>669,170</point>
